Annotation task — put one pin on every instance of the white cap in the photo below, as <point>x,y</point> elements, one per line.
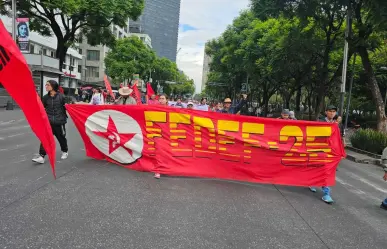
<point>190,103</point>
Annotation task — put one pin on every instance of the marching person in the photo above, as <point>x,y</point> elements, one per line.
<point>190,105</point>
<point>153,100</point>
<point>384,203</point>
<point>330,115</point>
<point>292,115</point>
<point>163,100</point>
<point>97,98</point>
<point>125,98</point>
<point>54,104</point>
<point>285,114</point>
<point>227,108</point>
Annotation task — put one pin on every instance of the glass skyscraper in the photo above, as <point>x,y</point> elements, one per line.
<point>160,20</point>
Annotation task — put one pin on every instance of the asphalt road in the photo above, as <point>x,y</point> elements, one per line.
<point>94,204</point>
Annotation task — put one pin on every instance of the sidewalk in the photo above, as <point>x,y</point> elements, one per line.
<point>361,158</point>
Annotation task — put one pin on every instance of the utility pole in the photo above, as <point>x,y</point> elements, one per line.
<point>14,20</point>
<point>345,58</point>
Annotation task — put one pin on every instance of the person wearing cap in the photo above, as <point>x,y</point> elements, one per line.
<point>227,108</point>
<point>292,116</point>
<point>285,114</point>
<point>190,105</point>
<point>330,114</point>
<point>54,104</point>
<point>125,98</point>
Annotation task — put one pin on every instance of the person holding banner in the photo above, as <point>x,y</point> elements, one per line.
<point>227,108</point>
<point>329,118</point>
<point>125,98</point>
<point>163,100</point>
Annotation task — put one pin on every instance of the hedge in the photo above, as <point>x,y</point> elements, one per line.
<point>369,140</point>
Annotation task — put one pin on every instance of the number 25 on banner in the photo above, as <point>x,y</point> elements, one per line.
<point>313,152</point>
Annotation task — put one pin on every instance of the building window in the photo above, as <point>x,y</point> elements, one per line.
<point>64,66</point>
<point>79,69</point>
<point>92,72</point>
<point>80,51</point>
<point>44,51</point>
<point>80,39</point>
<point>72,61</point>
<point>71,68</point>
<point>53,54</point>
<point>32,49</point>
<point>92,55</point>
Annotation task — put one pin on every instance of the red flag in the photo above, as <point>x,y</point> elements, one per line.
<point>108,86</point>
<point>16,78</point>
<point>136,93</point>
<point>149,89</point>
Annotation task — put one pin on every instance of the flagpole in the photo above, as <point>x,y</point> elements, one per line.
<point>14,20</point>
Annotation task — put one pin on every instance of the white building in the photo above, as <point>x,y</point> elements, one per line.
<point>206,70</point>
<point>44,64</point>
<point>93,62</point>
<point>145,38</point>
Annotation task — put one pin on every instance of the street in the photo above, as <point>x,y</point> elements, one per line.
<point>95,204</point>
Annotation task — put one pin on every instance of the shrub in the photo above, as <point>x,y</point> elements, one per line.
<point>369,140</point>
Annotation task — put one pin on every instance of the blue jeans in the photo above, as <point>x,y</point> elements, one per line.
<point>326,190</point>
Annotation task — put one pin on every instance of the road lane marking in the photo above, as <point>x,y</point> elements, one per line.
<point>14,128</point>
<point>363,195</point>
<point>367,182</point>
<point>18,146</point>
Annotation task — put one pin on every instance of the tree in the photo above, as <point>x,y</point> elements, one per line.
<point>127,57</point>
<point>164,69</point>
<point>69,20</point>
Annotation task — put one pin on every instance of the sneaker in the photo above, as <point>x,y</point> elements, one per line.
<point>312,189</point>
<point>383,206</point>
<point>64,156</point>
<point>157,175</point>
<point>327,199</point>
<point>38,159</point>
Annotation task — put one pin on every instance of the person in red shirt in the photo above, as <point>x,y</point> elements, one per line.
<point>153,100</point>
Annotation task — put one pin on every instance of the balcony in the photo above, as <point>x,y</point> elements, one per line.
<point>39,62</point>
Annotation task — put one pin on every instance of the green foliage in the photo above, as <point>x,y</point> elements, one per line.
<point>129,56</point>
<point>369,140</point>
<point>67,19</point>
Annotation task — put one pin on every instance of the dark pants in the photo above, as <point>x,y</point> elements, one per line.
<point>59,132</point>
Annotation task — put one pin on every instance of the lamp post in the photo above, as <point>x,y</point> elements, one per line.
<point>345,58</point>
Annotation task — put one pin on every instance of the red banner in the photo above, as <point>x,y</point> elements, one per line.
<point>185,142</point>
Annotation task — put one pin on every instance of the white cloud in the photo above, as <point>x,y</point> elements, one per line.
<point>209,18</point>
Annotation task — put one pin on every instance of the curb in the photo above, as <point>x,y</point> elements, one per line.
<point>377,162</point>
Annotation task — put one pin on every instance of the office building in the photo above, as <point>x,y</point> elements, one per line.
<point>93,61</point>
<point>206,70</point>
<point>160,20</point>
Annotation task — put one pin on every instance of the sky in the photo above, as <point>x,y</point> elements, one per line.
<point>200,21</point>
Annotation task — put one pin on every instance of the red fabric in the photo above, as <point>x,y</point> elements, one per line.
<point>16,78</point>
<point>194,143</point>
<point>108,86</point>
<point>149,90</point>
<point>136,93</point>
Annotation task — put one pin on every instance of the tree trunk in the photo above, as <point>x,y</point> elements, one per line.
<point>61,51</point>
<point>298,99</point>
<point>374,87</point>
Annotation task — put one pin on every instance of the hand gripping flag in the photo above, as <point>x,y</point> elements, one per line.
<point>16,78</point>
